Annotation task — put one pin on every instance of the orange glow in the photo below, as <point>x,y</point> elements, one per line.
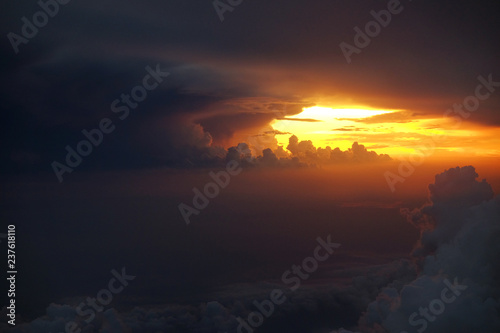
<point>398,133</point>
<point>327,114</point>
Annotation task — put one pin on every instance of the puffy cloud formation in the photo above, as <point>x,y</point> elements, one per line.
<point>460,243</point>
<point>451,196</point>
<point>242,153</point>
<point>304,310</point>
<point>306,151</point>
<point>182,142</point>
<point>297,153</point>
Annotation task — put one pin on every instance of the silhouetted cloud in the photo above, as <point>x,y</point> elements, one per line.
<point>460,230</point>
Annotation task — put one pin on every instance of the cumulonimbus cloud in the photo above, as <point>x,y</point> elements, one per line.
<point>460,233</point>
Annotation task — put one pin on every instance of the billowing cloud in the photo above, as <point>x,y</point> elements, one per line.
<point>306,151</point>
<point>299,154</point>
<point>459,245</point>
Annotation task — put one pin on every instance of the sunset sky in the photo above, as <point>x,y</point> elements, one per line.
<point>244,76</point>
<point>120,117</point>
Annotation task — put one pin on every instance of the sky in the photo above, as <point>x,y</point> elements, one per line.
<point>207,145</point>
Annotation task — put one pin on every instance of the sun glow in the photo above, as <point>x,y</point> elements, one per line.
<point>398,133</point>
<point>325,114</point>
<point>334,127</point>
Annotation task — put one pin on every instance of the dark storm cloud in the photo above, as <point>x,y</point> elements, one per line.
<point>224,126</point>
<point>65,77</point>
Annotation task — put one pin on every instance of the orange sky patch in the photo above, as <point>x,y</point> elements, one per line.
<point>394,132</point>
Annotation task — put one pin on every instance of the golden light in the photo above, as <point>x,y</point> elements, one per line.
<point>325,126</point>
<point>325,114</point>
<point>398,134</point>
